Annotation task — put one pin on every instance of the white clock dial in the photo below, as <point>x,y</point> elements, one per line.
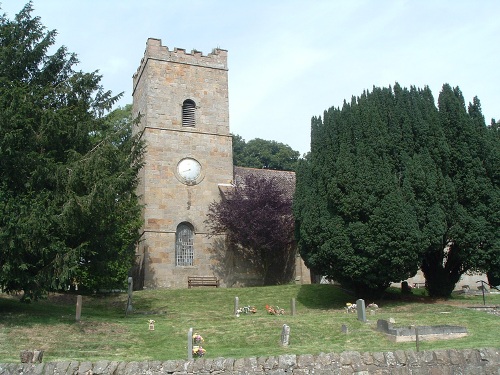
<point>189,169</point>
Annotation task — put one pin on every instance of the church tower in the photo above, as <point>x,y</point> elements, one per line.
<point>182,101</point>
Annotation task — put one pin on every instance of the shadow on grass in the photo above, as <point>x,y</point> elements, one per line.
<point>323,296</point>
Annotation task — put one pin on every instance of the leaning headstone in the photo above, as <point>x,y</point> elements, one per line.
<point>345,329</point>
<point>130,289</point>
<point>37,356</point>
<point>190,344</point>
<point>78,307</point>
<point>360,308</point>
<point>26,356</point>
<point>285,335</point>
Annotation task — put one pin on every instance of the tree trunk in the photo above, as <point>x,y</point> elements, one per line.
<point>441,273</point>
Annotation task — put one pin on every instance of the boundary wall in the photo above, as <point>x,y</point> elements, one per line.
<point>432,362</point>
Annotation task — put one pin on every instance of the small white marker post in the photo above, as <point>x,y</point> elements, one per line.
<point>78,307</point>
<point>190,344</point>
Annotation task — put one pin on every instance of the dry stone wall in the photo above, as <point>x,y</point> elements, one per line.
<point>443,362</point>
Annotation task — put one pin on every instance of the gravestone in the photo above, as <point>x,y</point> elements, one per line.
<point>345,329</point>
<point>285,335</point>
<point>190,344</point>
<point>360,307</point>
<point>236,304</point>
<point>129,300</point>
<point>292,307</point>
<point>78,308</point>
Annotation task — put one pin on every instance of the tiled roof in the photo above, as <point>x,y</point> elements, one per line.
<point>286,179</point>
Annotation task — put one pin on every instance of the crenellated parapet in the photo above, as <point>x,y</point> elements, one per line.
<point>217,59</point>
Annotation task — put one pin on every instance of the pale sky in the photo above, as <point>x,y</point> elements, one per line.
<point>290,60</point>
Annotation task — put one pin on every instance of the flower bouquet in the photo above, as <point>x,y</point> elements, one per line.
<point>198,350</point>
<point>275,310</point>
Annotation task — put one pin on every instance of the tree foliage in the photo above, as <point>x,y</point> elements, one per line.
<point>68,172</point>
<point>392,184</point>
<point>256,215</point>
<point>261,154</point>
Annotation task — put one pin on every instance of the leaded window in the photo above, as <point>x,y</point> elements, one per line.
<point>184,249</point>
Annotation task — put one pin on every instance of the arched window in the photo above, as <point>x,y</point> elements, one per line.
<point>184,250</point>
<point>188,111</point>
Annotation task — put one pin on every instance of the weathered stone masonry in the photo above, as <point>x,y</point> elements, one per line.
<point>439,362</point>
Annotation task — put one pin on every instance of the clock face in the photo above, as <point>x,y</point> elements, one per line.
<point>189,170</point>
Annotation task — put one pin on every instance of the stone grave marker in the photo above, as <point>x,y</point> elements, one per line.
<point>360,308</point>
<point>190,344</point>
<point>345,329</point>
<point>129,300</point>
<point>78,307</point>
<point>236,306</point>
<point>285,335</point>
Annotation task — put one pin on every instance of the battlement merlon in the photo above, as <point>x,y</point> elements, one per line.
<point>217,59</point>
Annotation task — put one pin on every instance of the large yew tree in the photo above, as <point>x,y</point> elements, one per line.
<point>394,183</point>
<point>68,172</point>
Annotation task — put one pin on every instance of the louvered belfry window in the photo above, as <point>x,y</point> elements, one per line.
<point>184,250</point>
<point>188,112</point>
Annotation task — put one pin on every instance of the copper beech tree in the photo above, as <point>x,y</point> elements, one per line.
<point>256,215</point>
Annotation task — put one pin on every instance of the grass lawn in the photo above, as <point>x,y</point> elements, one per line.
<point>104,331</point>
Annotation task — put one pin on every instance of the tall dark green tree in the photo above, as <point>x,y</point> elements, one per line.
<point>391,183</point>
<point>68,172</point>
<point>470,232</point>
<point>262,154</point>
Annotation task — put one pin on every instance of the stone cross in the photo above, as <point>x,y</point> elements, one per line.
<point>360,308</point>
<point>285,335</point>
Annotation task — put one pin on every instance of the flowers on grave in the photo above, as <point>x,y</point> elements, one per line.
<point>350,307</point>
<point>197,339</point>
<point>275,310</point>
<point>198,350</point>
<point>246,310</point>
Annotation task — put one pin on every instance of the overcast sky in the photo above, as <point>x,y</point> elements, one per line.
<point>291,60</point>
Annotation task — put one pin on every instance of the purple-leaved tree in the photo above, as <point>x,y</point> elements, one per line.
<point>256,215</point>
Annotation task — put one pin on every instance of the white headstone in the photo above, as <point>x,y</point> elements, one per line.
<point>285,335</point>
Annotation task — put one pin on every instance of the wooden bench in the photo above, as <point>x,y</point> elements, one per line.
<point>203,281</point>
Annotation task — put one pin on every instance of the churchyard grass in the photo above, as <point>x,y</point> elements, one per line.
<point>104,332</point>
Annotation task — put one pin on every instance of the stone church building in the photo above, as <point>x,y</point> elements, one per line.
<point>183,102</point>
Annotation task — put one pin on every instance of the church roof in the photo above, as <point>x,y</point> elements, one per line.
<point>285,179</point>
